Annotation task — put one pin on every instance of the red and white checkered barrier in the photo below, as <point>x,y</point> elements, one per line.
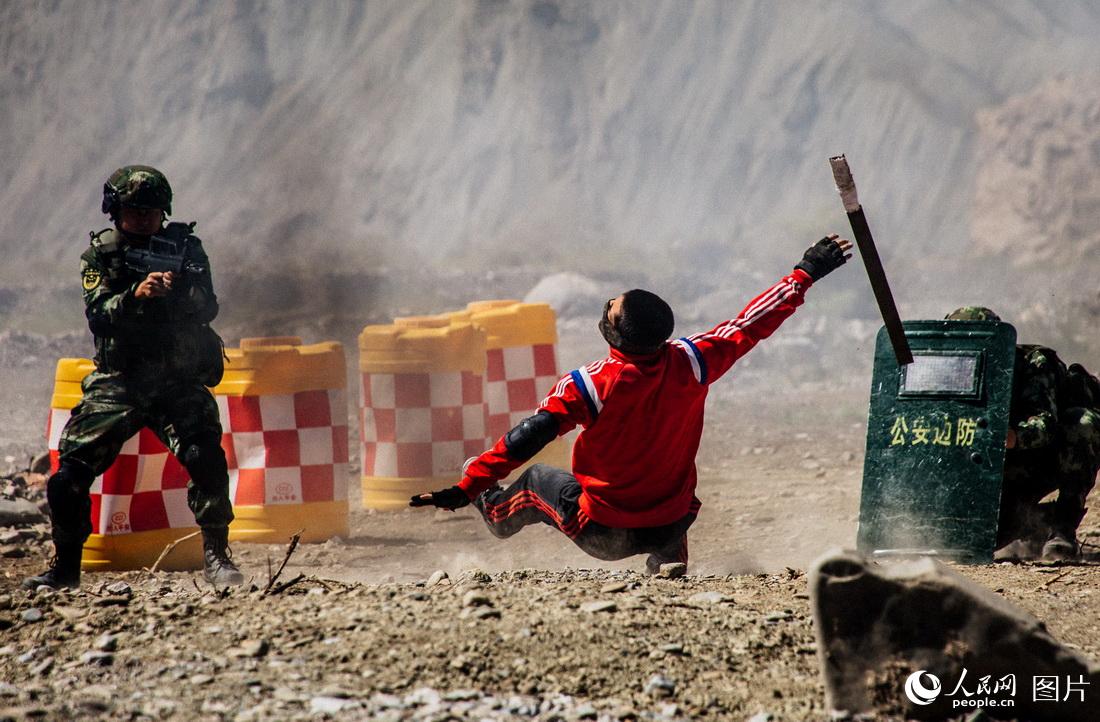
<point>284,449</point>
<point>516,380</point>
<point>145,489</point>
<point>420,425</point>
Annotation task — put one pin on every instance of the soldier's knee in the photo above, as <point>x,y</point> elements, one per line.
<point>204,460</point>
<point>69,483</point>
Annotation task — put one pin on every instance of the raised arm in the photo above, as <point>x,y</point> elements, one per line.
<point>714,352</point>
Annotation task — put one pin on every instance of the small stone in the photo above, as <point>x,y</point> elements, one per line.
<point>12,552</point>
<point>285,694</point>
<point>486,613</point>
<point>709,598</point>
<point>603,605</point>
<point>437,576</point>
<point>670,710</point>
<point>475,575</point>
<point>119,589</point>
<point>32,615</point>
<point>776,617</point>
<point>8,690</point>
<point>674,570</point>
<point>327,705</point>
<point>761,717</point>
<point>332,691</point>
<point>672,648</point>
<point>30,655</point>
<point>476,598</point>
<point>19,512</point>
<point>106,643</point>
<point>120,601</point>
<point>5,601</point>
<point>585,711</point>
<point>200,680</point>
<point>462,695</point>
<point>42,668</point>
<point>97,659</point>
<point>612,587</point>
<point>660,686</point>
<point>252,648</point>
<point>424,696</point>
<point>11,536</point>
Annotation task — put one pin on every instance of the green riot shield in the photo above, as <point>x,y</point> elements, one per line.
<point>936,441</point>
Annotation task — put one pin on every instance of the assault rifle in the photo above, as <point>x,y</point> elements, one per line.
<point>165,253</point>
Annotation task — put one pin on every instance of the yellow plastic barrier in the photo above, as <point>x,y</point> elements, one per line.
<point>284,415</point>
<point>421,406</point>
<point>521,368</point>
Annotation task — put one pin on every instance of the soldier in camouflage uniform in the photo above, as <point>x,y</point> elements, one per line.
<point>155,357</point>
<point>1053,444</point>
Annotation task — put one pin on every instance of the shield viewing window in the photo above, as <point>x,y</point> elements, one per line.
<point>950,373</point>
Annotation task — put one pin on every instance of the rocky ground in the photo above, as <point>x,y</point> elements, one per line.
<point>425,616</point>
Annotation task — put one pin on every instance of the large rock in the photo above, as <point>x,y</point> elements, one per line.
<point>917,639</point>
<point>19,512</point>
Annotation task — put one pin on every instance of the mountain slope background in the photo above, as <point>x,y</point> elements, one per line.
<point>679,142</point>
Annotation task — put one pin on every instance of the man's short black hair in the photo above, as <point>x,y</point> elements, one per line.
<point>646,321</point>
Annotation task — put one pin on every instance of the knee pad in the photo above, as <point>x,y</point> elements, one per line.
<point>529,436</point>
<point>204,459</point>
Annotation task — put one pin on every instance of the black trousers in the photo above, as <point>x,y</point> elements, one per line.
<point>547,495</point>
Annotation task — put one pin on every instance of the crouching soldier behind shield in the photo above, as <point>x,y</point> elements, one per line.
<point>1053,445</point>
<point>148,298</point>
<point>632,486</point>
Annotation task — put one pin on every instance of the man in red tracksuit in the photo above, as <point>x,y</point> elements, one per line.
<point>632,490</point>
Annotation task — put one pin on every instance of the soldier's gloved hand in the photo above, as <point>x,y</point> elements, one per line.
<point>155,285</point>
<point>453,498</point>
<point>825,256</point>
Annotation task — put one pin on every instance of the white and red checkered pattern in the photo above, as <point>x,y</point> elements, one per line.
<point>516,379</point>
<point>281,449</point>
<point>286,449</point>
<point>420,425</point>
<point>145,489</point>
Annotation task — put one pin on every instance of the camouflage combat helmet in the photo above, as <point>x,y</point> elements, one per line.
<point>138,186</point>
<point>972,313</point>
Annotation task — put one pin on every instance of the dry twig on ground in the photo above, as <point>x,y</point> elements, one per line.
<point>285,585</point>
<point>289,550</point>
<point>168,550</point>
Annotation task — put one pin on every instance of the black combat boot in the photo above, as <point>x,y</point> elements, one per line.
<point>218,568</point>
<point>64,571</point>
<point>1061,544</point>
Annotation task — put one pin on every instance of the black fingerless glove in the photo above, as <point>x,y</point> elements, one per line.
<point>822,258</point>
<point>453,498</point>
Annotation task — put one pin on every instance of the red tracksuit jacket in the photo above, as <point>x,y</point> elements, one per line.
<point>642,416</point>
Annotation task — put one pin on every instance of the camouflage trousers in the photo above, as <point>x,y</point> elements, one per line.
<point>1069,468</point>
<point>183,416</point>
